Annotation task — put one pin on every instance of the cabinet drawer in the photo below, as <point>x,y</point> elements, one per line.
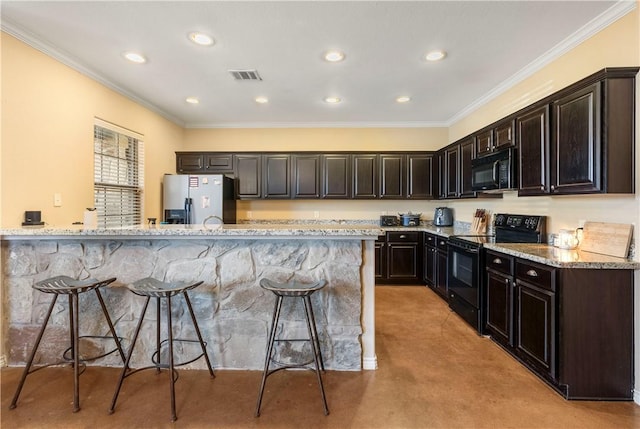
<point>430,240</point>
<point>499,262</point>
<point>412,237</point>
<point>536,274</point>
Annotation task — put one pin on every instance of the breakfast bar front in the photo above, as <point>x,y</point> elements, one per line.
<point>233,310</point>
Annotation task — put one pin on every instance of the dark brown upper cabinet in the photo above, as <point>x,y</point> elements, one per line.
<point>248,171</point>
<point>420,176</point>
<point>533,148</point>
<point>365,175</point>
<point>496,138</point>
<point>306,176</point>
<point>391,174</point>
<point>277,176</point>
<point>189,162</point>
<point>581,139</point>
<point>467,154</point>
<point>218,163</point>
<point>336,175</point>
<point>451,167</point>
<point>504,135</point>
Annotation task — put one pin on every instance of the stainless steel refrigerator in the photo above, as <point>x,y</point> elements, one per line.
<point>192,198</point>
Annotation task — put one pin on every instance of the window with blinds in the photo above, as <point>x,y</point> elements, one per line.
<point>118,176</point>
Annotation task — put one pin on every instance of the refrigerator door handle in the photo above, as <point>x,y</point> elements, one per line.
<point>188,205</point>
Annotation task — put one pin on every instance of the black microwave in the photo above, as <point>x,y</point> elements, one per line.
<point>494,172</point>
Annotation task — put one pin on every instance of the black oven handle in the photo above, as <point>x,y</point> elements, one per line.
<point>496,173</point>
<point>463,248</point>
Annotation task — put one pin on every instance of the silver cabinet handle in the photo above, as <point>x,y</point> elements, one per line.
<point>542,188</point>
<point>497,261</point>
<point>506,281</point>
<point>553,187</point>
<point>403,236</point>
<point>532,273</point>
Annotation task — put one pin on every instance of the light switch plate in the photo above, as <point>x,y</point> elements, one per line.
<point>57,200</point>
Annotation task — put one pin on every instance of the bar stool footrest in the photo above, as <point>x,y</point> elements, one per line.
<point>68,357</point>
<point>164,351</point>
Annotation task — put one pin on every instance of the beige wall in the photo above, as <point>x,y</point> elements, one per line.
<point>48,112</point>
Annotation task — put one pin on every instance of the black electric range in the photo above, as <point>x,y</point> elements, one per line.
<point>465,279</point>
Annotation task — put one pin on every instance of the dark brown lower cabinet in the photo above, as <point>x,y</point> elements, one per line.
<point>572,327</point>
<point>398,258</point>
<point>435,259</point>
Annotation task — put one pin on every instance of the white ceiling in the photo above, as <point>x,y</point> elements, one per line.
<point>490,44</point>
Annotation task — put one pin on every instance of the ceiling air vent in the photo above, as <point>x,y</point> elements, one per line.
<point>245,74</point>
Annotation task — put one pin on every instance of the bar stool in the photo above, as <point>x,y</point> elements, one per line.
<point>63,285</point>
<point>293,290</point>
<point>150,287</point>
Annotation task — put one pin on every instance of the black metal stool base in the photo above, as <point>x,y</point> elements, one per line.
<point>154,288</point>
<point>293,290</point>
<point>63,285</point>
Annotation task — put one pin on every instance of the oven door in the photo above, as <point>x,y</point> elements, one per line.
<point>463,279</point>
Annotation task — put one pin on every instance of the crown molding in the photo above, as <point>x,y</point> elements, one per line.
<point>405,124</point>
<point>67,59</point>
<point>606,18</point>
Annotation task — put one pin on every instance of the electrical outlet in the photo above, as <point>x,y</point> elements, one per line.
<point>316,214</point>
<point>57,200</point>
<point>249,214</point>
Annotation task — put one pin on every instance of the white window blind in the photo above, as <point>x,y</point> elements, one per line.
<point>118,175</point>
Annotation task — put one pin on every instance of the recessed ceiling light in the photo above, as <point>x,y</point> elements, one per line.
<point>403,99</point>
<point>192,100</point>
<point>134,57</point>
<point>435,55</point>
<point>201,39</point>
<point>261,100</point>
<point>334,56</point>
<point>332,100</point>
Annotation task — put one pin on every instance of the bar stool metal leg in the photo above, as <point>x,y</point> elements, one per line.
<point>172,374</point>
<point>110,323</point>
<point>27,369</point>
<point>125,368</point>
<point>267,360</point>
<point>200,339</point>
<point>316,350</point>
<point>314,330</point>
<point>73,298</point>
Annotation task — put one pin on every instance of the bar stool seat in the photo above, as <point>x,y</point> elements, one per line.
<point>304,292</point>
<point>64,285</point>
<point>153,288</point>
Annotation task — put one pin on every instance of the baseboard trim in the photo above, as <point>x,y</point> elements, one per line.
<point>3,361</point>
<point>370,362</point>
<point>636,396</point>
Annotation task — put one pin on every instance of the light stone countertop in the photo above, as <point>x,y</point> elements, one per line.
<point>330,231</point>
<point>561,258</point>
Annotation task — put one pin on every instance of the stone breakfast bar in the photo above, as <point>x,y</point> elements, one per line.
<point>233,311</point>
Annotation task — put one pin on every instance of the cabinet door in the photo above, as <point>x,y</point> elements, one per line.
<point>391,176</point>
<point>306,176</point>
<point>403,256</point>
<point>419,176</point>
<point>576,142</point>
<point>467,153</point>
<point>441,273</point>
<point>218,163</point>
<point>277,176</point>
<point>380,255</point>
<point>504,135</point>
<point>533,145</point>
<point>430,259</point>
<point>452,163</point>
<point>189,162</point>
<point>336,176</point>
<point>485,142</point>
<point>440,174</point>
<point>249,176</point>
<point>499,291</point>
<point>535,327</point>
<point>365,178</point>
